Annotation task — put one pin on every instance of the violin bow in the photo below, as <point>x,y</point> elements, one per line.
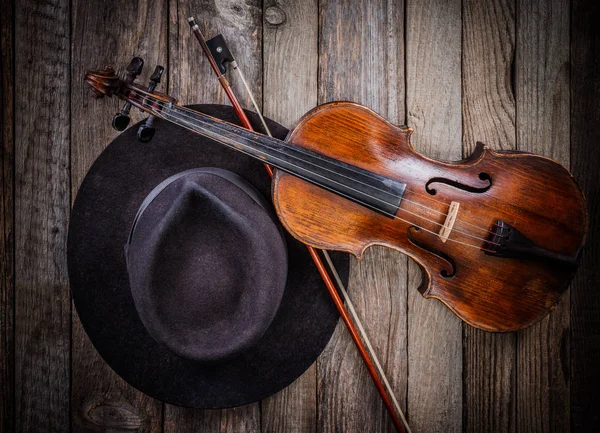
<point>220,50</point>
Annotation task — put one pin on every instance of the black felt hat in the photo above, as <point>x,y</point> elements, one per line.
<point>182,276</point>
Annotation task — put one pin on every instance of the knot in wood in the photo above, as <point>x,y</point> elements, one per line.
<point>275,16</point>
<point>112,416</point>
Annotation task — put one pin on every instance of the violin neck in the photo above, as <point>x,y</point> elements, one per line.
<point>363,187</point>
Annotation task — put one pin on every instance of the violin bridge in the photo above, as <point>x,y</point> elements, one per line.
<point>450,220</point>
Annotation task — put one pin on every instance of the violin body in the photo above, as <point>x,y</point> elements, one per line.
<point>520,219</point>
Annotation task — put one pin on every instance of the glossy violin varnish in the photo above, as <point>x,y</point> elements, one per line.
<point>497,235</point>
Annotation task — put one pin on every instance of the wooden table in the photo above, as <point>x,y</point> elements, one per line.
<point>514,74</point>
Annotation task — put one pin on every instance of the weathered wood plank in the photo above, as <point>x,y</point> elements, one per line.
<point>101,400</point>
<point>191,80</point>
<point>488,56</point>
<point>236,420</point>
<point>433,100</point>
<point>542,107</point>
<point>179,419</point>
<point>290,90</point>
<point>42,306</point>
<point>585,161</point>
<point>290,50</point>
<point>294,409</point>
<point>488,116</point>
<point>7,247</point>
<point>361,58</point>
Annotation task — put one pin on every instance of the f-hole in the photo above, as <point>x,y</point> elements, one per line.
<point>476,190</point>
<point>412,230</point>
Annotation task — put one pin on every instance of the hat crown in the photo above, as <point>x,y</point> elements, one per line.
<point>207,265</point>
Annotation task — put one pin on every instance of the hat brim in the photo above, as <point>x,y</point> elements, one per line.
<point>106,204</point>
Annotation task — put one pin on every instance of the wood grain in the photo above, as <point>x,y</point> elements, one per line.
<point>585,161</point>
<point>191,80</point>
<point>42,307</point>
<point>290,90</point>
<point>179,419</point>
<point>542,108</point>
<point>101,400</point>
<point>290,68</point>
<point>7,247</point>
<point>361,58</point>
<point>488,46</point>
<point>488,62</point>
<point>433,100</point>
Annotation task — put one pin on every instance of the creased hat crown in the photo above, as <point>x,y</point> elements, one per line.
<point>207,264</point>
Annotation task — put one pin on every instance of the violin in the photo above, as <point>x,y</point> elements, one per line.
<point>497,235</point>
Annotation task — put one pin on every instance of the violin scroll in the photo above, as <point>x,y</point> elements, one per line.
<point>104,82</point>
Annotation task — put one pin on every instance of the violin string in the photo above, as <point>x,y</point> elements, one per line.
<point>487,230</point>
<point>386,213</point>
<point>164,113</point>
<point>146,96</point>
<point>174,117</point>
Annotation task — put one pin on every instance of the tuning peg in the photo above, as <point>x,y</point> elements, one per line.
<point>155,78</point>
<point>122,119</point>
<point>146,130</point>
<point>134,69</point>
